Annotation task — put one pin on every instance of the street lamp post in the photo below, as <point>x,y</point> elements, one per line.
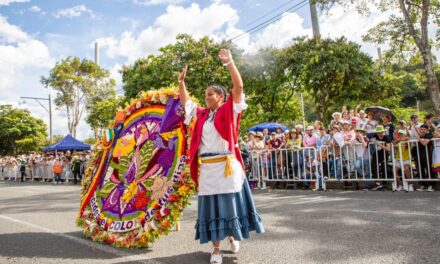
<point>48,110</point>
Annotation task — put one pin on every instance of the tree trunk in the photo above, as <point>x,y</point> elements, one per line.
<point>422,41</point>
<point>431,81</point>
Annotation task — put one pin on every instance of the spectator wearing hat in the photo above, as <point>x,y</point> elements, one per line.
<point>362,163</point>
<point>389,127</point>
<point>259,141</point>
<point>348,150</point>
<point>380,151</point>
<point>322,142</point>
<point>362,119</point>
<point>299,130</point>
<point>310,139</point>
<point>335,144</point>
<point>425,156</point>
<point>401,131</point>
<point>286,136</point>
<point>322,138</point>
<point>251,141</point>
<point>336,119</point>
<point>402,163</point>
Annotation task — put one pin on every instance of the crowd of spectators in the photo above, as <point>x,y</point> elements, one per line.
<point>52,164</point>
<point>354,143</point>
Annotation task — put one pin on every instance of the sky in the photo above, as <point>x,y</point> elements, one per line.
<point>35,34</point>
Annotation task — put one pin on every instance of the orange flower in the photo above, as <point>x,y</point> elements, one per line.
<point>165,223</point>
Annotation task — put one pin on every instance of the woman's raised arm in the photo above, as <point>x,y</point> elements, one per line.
<point>183,93</point>
<point>237,83</point>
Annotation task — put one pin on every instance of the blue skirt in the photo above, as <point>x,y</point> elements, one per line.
<point>223,215</point>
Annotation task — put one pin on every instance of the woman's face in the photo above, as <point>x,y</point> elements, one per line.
<point>345,115</point>
<point>212,99</point>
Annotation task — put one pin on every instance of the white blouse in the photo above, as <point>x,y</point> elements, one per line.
<point>212,180</point>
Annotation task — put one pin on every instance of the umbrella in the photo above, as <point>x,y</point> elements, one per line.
<point>270,126</point>
<point>379,111</point>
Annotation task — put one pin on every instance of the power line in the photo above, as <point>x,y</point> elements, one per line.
<point>268,13</point>
<point>270,20</point>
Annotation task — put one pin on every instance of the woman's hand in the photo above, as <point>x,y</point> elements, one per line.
<point>225,56</point>
<point>182,74</point>
<point>183,93</point>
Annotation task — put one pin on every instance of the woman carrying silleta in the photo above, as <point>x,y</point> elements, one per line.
<point>225,205</point>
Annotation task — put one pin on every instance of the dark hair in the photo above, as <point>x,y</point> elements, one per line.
<point>424,126</point>
<point>414,116</point>
<point>429,116</point>
<point>218,89</point>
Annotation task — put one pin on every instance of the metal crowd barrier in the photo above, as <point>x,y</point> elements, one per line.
<point>419,166</point>
<point>40,172</point>
<point>350,163</point>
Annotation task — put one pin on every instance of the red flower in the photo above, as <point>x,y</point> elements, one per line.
<point>158,216</point>
<point>141,200</point>
<point>173,197</point>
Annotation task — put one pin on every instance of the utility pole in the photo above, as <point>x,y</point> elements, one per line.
<point>314,18</point>
<point>96,53</point>
<point>48,110</point>
<point>379,55</point>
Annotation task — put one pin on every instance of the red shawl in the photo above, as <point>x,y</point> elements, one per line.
<point>224,123</point>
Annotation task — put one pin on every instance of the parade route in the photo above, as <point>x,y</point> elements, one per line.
<point>37,225</point>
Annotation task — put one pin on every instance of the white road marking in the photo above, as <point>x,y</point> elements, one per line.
<point>122,255</point>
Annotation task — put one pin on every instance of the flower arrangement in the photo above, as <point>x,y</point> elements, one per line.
<point>137,184</point>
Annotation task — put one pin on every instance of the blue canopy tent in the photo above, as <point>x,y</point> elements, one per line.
<point>270,126</point>
<point>68,143</point>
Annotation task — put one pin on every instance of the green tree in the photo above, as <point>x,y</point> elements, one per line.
<point>74,80</point>
<point>90,141</point>
<point>405,31</point>
<point>101,109</point>
<point>336,73</point>
<point>271,88</point>
<point>19,131</point>
<point>157,71</point>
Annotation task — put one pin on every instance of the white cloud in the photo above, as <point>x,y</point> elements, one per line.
<point>35,9</point>
<point>348,22</point>
<point>7,2</point>
<point>11,33</point>
<point>75,11</point>
<point>23,59</point>
<point>158,2</point>
<point>192,20</point>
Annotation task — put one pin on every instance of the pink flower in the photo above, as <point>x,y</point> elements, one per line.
<point>164,211</point>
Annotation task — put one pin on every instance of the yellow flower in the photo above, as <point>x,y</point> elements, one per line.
<point>153,204</point>
<point>183,190</point>
<point>142,215</point>
<point>131,192</point>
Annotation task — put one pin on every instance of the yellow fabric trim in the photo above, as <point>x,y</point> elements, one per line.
<point>229,171</point>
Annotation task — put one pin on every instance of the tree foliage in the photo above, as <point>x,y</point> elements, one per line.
<point>74,80</point>
<point>101,109</point>
<point>19,131</point>
<point>335,73</point>
<point>157,71</point>
<point>272,92</point>
<point>405,32</point>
